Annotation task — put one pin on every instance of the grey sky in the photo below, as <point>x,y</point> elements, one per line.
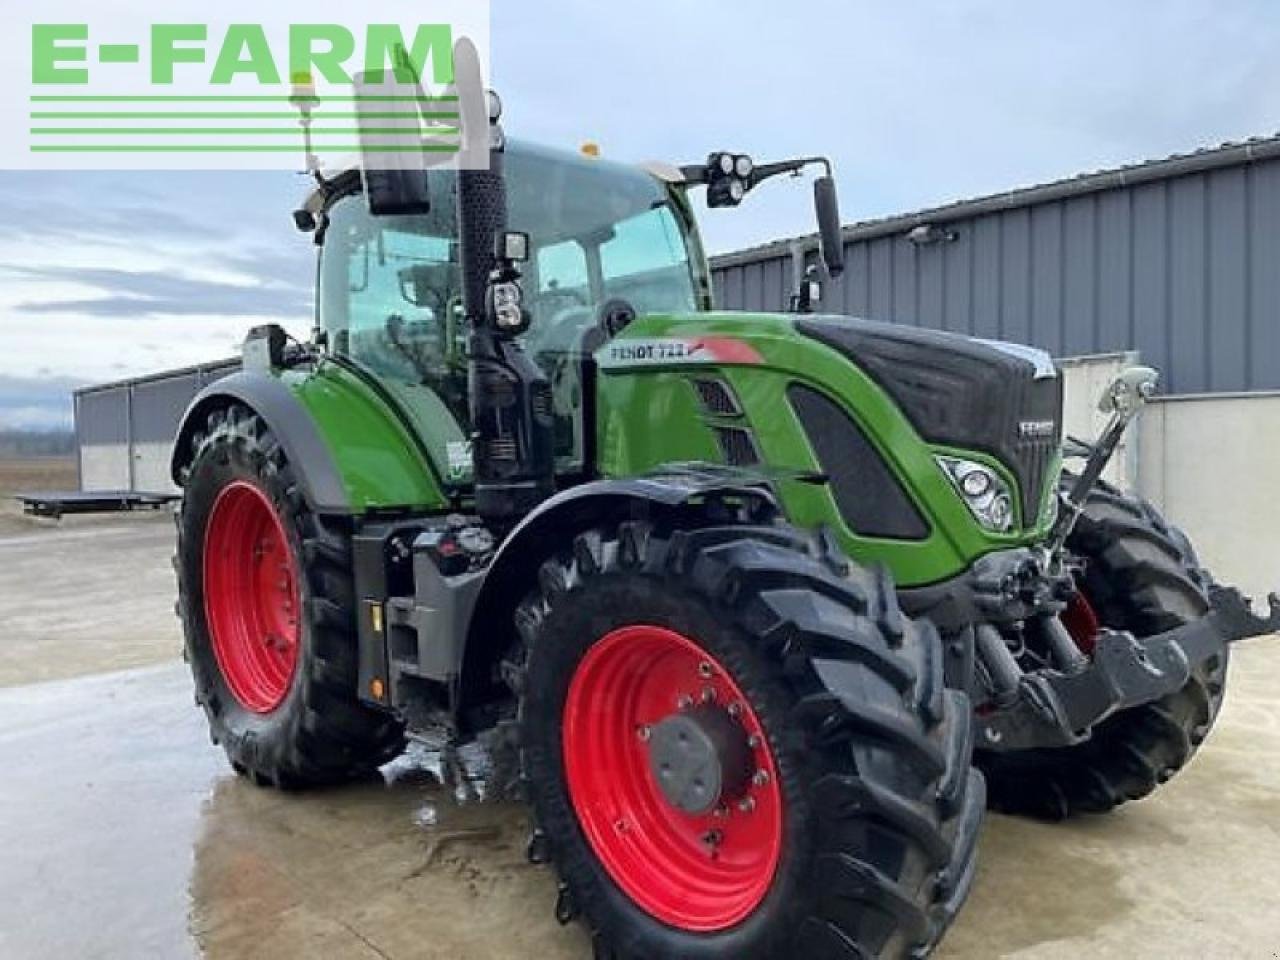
<point>108,275</point>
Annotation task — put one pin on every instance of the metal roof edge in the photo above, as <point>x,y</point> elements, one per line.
<point>1179,164</point>
<point>156,377</point>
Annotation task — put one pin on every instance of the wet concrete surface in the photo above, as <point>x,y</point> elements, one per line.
<point>124,835</point>
<point>84,595</point>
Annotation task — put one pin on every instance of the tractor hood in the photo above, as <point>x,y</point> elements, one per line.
<point>1000,398</point>
<point>870,406</point>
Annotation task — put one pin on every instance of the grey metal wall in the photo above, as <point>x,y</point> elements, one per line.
<point>1183,268</point>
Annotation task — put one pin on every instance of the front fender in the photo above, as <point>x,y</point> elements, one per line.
<point>557,522</point>
<point>588,504</point>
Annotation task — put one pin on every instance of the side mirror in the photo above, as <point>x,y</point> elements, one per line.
<point>395,179</point>
<point>395,184</point>
<point>394,193</point>
<point>829,225</point>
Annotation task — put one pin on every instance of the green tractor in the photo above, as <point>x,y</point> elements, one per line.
<point>768,606</point>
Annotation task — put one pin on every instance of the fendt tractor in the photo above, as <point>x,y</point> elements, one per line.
<point>768,607</point>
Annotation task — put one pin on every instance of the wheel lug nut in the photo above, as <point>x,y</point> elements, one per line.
<point>684,701</point>
<point>644,732</point>
<point>708,694</point>
<point>754,741</point>
<point>735,710</point>
<point>720,812</point>
<point>761,778</point>
<point>747,804</point>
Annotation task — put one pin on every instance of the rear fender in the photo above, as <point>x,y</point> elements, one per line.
<point>290,422</point>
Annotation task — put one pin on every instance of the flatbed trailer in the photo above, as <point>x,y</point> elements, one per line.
<point>58,503</point>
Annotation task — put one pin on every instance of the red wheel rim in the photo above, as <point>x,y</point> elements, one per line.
<point>251,597</point>
<point>696,873</point>
<point>1082,622</point>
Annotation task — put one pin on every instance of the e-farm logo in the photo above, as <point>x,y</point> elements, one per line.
<point>127,92</point>
<point>324,49</point>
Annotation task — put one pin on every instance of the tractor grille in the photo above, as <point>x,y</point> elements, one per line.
<point>541,400</point>
<point>1033,402</point>
<point>961,393</point>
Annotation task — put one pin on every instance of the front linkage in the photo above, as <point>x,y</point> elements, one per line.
<point>1054,708</point>
<point>1059,705</point>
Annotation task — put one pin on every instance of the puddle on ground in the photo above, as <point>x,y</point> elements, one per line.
<point>418,864</point>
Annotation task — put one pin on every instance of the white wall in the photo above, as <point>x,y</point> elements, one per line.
<point>1212,464</point>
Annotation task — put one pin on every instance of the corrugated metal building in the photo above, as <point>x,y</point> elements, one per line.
<point>1178,259</point>
<point>125,430</point>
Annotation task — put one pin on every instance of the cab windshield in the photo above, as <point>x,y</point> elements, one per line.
<point>391,298</point>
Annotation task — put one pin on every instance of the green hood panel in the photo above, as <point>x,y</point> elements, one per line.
<point>651,415</point>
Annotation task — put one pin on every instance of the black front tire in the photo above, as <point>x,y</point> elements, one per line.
<point>320,734</point>
<point>883,808</point>
<point>1141,575</point>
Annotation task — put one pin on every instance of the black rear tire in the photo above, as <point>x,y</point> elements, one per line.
<point>320,733</point>
<point>882,806</point>
<point>1141,575</point>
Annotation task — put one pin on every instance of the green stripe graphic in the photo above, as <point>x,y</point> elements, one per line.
<point>224,115</point>
<point>237,131</point>
<point>236,148</point>
<point>353,98</point>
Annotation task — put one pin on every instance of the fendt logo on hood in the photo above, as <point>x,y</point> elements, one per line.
<point>669,351</point>
<point>1037,429</point>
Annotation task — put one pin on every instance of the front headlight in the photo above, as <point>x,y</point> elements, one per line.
<point>983,491</point>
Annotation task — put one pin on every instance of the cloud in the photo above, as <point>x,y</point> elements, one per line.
<point>49,211</point>
<point>36,403</point>
<point>152,293</point>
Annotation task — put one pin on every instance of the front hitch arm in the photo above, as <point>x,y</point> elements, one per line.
<point>1124,400</point>
<point>1055,709</point>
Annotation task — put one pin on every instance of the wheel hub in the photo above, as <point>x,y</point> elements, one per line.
<point>700,759</point>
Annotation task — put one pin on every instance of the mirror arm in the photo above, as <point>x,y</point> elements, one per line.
<point>695,174</point>
<point>767,170</point>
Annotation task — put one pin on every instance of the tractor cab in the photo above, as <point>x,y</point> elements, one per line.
<point>600,234</point>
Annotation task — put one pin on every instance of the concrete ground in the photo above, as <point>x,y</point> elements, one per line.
<point>124,835</point>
